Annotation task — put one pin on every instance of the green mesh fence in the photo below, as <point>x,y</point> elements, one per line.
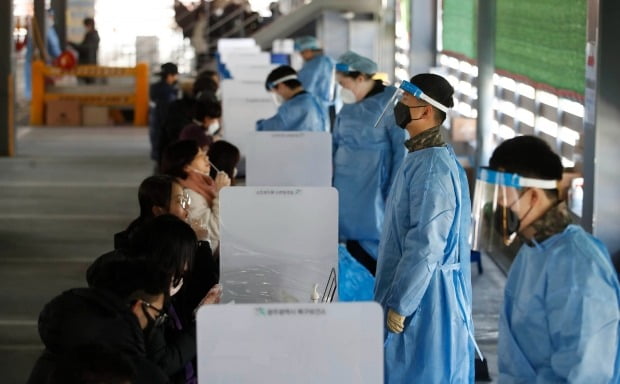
<point>543,40</point>
<point>459,27</point>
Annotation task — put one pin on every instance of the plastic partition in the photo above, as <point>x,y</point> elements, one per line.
<point>291,343</point>
<point>290,159</point>
<point>243,103</point>
<point>277,243</point>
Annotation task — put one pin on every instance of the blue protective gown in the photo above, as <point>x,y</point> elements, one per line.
<point>423,271</point>
<point>300,113</point>
<point>365,162</point>
<point>560,319</point>
<point>317,77</point>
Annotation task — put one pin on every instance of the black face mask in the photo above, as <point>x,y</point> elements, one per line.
<point>402,115</point>
<point>507,223</point>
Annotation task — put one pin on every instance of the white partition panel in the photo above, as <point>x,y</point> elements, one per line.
<point>236,44</point>
<point>243,103</point>
<point>277,243</point>
<point>290,159</point>
<point>291,343</point>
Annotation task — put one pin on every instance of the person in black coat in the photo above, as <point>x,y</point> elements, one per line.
<point>88,48</point>
<point>120,317</point>
<point>161,93</point>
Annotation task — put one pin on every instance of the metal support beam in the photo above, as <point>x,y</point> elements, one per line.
<point>486,90</point>
<point>601,171</point>
<point>39,29</point>
<point>7,80</point>
<point>423,52</point>
<point>60,20</point>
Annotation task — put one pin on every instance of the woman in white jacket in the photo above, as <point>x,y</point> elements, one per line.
<point>186,161</point>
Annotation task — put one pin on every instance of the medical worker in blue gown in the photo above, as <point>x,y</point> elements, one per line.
<point>298,110</point>
<point>366,157</point>
<point>317,74</point>
<point>560,320</point>
<point>423,277</point>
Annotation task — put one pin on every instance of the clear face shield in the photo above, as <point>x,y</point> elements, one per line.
<point>277,98</point>
<point>498,207</point>
<point>399,108</point>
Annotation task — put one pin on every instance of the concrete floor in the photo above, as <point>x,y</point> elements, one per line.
<point>62,198</point>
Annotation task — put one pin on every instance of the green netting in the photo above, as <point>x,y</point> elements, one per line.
<point>459,27</point>
<point>543,40</point>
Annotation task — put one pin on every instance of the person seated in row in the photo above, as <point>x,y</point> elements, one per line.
<point>190,165</point>
<point>298,110</point>
<point>167,245</point>
<point>121,317</point>
<point>159,195</point>
<point>225,157</point>
<point>206,122</point>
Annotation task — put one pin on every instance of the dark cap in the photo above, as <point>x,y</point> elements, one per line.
<point>436,87</point>
<point>527,156</point>
<point>169,69</point>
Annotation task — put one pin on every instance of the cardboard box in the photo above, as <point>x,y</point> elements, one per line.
<point>63,113</point>
<point>95,115</point>
<point>463,129</point>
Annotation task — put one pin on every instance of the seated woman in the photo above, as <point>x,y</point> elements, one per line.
<point>161,194</point>
<point>190,165</point>
<point>224,156</point>
<point>168,247</point>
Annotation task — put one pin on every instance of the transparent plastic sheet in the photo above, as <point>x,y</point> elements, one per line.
<point>290,159</point>
<point>406,86</point>
<point>498,206</point>
<point>277,243</point>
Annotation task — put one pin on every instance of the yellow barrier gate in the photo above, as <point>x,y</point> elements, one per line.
<point>138,98</point>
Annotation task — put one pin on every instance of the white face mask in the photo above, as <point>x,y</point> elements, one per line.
<point>218,94</point>
<point>174,289</point>
<point>235,172</point>
<point>347,96</point>
<point>213,127</point>
<point>277,99</point>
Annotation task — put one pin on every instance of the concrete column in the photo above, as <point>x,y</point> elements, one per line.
<point>486,90</point>
<point>423,36</point>
<point>39,19</point>
<point>60,18</point>
<point>7,80</point>
<point>601,154</point>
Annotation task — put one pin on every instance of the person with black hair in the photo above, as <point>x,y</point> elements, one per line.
<point>423,279</point>
<point>225,157</point>
<point>560,319</point>
<point>88,48</point>
<point>205,125</point>
<point>168,246</point>
<point>298,110</point>
<point>162,93</point>
<point>121,316</point>
<point>190,165</point>
<point>366,157</point>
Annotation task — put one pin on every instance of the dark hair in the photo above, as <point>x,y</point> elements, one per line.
<point>93,364</point>
<point>528,156</point>
<point>177,156</point>
<point>154,191</point>
<point>204,85</point>
<point>207,108</point>
<point>356,74</point>
<point>437,88</point>
<point>168,245</point>
<point>126,272</point>
<point>225,156</point>
<point>89,21</point>
<point>280,72</point>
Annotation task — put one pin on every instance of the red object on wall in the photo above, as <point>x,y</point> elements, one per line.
<point>66,60</point>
